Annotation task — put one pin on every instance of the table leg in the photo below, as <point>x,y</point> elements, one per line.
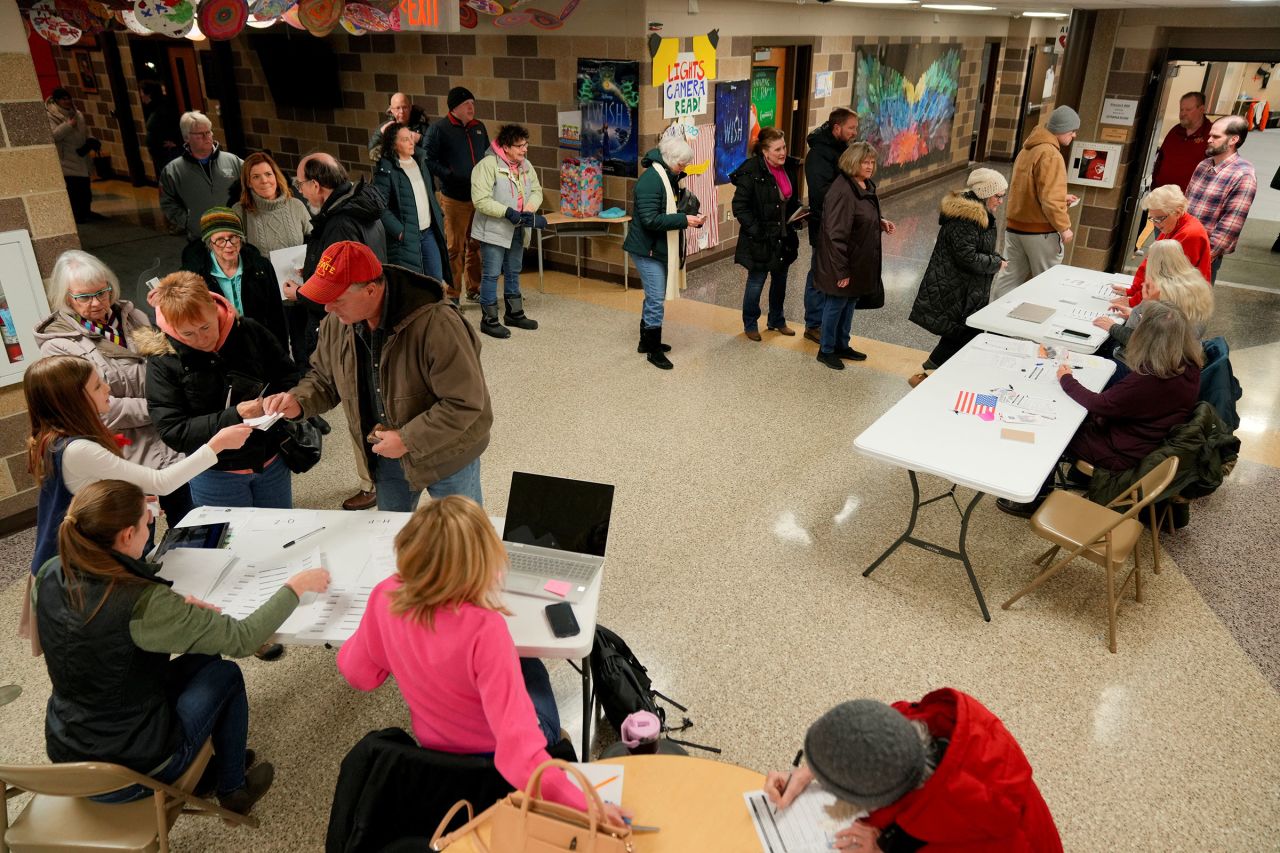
<point>541,284</point>
<point>625,259</point>
<point>577,257</point>
<point>964,554</point>
<point>588,710</point>
<point>911,525</point>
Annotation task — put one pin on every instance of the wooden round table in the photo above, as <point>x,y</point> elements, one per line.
<point>697,803</point>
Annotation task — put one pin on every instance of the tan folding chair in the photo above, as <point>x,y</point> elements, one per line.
<point>60,818</point>
<point>1100,534</point>
<point>1125,500</point>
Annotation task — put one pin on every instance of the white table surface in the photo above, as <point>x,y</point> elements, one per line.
<point>923,433</point>
<point>1062,288</point>
<point>345,544</point>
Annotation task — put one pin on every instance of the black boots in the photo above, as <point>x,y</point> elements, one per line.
<point>515,315</point>
<point>651,343</point>
<point>489,322</point>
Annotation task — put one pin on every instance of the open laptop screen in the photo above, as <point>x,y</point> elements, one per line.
<point>553,512</point>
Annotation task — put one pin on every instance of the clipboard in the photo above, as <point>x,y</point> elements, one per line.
<point>1031,312</point>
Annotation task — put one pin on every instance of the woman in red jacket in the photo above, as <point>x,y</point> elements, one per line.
<point>939,774</point>
<point>1166,206</point>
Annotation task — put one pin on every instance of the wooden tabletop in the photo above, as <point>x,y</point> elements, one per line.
<point>564,218</point>
<point>697,803</point>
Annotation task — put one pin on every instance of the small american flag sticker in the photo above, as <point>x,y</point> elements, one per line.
<point>971,403</point>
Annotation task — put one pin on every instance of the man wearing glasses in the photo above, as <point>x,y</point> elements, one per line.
<point>401,110</point>
<point>204,176</point>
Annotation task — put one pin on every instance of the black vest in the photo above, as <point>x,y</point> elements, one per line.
<point>109,699</point>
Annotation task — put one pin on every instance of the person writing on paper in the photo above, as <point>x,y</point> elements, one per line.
<point>437,626</point>
<point>1131,418</point>
<point>1167,208</point>
<point>91,321</point>
<point>1171,278</point>
<point>939,774</point>
<point>109,624</point>
<point>237,271</point>
<point>209,368</point>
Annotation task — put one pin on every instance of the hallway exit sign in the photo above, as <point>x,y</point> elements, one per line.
<point>429,16</point>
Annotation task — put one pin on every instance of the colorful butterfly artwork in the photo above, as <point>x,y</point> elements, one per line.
<point>908,115</point>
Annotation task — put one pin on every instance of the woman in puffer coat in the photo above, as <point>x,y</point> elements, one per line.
<point>412,218</point>
<point>964,261</point>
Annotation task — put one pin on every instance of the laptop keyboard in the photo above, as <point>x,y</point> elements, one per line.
<point>536,564</point>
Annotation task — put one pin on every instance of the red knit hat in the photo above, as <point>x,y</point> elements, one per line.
<point>341,265</point>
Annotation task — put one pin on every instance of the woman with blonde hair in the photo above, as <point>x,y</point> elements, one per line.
<point>437,626</point>
<point>109,624</point>
<point>1166,206</point>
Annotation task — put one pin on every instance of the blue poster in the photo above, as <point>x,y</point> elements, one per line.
<point>733,126</point>
<point>608,94</point>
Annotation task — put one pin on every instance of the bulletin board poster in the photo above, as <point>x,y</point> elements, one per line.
<point>608,95</point>
<point>764,94</point>
<point>684,91</point>
<point>733,126</point>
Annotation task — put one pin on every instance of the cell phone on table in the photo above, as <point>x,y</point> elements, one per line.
<point>561,619</point>
<point>1073,333</point>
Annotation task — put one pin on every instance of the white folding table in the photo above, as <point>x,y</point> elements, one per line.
<point>924,433</point>
<point>1076,296</point>
<point>355,548</point>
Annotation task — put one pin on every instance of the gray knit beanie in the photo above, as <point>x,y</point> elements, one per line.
<point>865,752</point>
<point>1063,120</point>
<point>984,183</point>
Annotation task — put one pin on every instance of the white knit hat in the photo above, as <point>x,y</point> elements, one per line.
<point>984,183</point>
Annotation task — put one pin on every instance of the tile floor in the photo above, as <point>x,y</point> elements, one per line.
<point>743,520</point>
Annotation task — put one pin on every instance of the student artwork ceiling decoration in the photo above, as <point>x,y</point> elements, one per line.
<point>516,13</point>
<point>609,94</point>
<point>906,94</point>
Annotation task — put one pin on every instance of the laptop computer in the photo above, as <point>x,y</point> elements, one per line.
<point>555,531</point>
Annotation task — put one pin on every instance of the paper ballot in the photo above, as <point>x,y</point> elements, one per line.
<point>288,264</point>
<point>808,825</point>
<point>605,778</point>
<point>196,571</point>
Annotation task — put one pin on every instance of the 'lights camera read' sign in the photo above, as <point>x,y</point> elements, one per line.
<point>684,92</point>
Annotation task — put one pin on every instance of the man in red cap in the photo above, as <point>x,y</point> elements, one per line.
<point>405,366</point>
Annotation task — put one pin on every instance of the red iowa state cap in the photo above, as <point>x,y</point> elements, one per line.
<point>341,265</point>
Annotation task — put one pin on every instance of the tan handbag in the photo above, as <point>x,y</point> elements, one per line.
<point>523,822</point>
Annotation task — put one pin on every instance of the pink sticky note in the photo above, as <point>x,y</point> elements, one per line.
<point>987,416</point>
<point>560,588</point>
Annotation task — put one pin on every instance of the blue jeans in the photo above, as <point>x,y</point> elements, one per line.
<point>777,295</point>
<point>395,494</point>
<point>431,263</point>
<point>813,299</point>
<point>507,261</point>
<point>210,702</point>
<point>837,320</point>
<point>538,683</point>
<point>272,489</point>
<point>653,278</point>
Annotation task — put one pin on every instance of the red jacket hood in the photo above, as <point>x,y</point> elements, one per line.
<point>982,796</point>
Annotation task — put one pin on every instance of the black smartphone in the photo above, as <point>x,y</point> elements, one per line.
<point>561,619</point>
<point>1073,333</point>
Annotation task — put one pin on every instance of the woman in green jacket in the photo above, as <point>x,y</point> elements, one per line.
<point>655,239</point>
<point>108,625</point>
<point>412,217</point>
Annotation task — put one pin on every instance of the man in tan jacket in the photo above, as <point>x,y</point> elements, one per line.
<point>406,367</point>
<point>1037,227</point>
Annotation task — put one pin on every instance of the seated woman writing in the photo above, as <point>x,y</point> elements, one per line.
<point>1131,418</point>
<point>109,625</point>
<point>437,625</point>
<point>939,774</point>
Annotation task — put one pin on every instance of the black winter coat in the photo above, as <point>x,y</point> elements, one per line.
<point>766,242</point>
<point>453,151</point>
<point>259,288</point>
<point>958,279</point>
<point>820,171</point>
<point>352,212</point>
<point>849,246</point>
<point>400,216</point>
<point>192,394</point>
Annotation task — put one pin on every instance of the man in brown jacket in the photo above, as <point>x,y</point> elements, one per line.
<point>406,368</point>
<point>1037,227</point>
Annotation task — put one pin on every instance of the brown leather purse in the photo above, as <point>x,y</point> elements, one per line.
<point>523,822</point>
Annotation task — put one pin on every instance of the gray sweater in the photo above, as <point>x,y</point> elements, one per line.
<point>277,223</point>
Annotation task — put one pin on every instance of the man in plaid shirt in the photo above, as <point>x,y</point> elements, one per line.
<point>1222,188</point>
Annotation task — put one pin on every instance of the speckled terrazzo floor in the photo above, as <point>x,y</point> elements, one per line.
<point>743,519</point>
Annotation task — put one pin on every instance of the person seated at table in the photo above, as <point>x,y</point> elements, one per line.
<point>957,281</point>
<point>939,774</point>
<point>109,624</point>
<point>437,625</point>
<point>1166,206</point>
<point>1131,418</point>
<point>1170,278</point>
<point>69,447</point>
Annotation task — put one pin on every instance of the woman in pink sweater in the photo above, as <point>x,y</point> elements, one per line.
<point>437,625</point>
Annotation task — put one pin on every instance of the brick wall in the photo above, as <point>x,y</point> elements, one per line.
<point>32,198</point>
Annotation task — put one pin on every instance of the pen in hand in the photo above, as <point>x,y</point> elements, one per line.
<point>795,762</point>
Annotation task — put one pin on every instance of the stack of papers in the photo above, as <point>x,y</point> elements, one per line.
<point>196,571</point>
<point>808,825</point>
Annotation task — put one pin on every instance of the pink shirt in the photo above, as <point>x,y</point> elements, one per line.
<point>461,680</point>
<point>784,183</point>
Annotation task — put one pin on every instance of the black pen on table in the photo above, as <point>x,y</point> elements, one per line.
<point>795,762</point>
<point>300,538</point>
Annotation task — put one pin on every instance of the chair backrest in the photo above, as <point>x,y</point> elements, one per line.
<point>1151,485</point>
<point>73,779</point>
